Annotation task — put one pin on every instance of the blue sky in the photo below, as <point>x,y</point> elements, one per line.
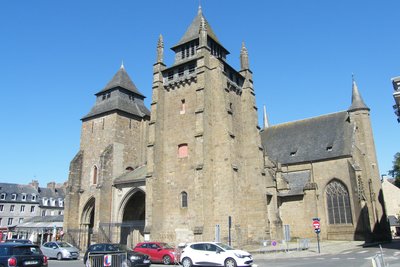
<point>55,55</point>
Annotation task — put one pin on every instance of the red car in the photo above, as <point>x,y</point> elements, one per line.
<point>158,251</point>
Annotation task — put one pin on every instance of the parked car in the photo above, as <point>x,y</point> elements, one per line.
<point>136,259</point>
<point>22,241</point>
<point>158,252</point>
<point>60,250</point>
<point>214,254</point>
<point>21,255</point>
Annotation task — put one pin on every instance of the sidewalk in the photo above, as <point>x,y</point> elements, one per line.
<point>291,249</point>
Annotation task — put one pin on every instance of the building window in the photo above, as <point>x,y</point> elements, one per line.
<point>43,213</point>
<point>1,221</point>
<point>32,208</point>
<point>94,178</point>
<point>182,151</point>
<point>170,75</point>
<point>21,220</point>
<point>23,197</point>
<point>44,201</point>
<point>60,202</point>
<point>180,71</point>
<point>14,197</point>
<point>3,196</point>
<point>183,107</point>
<point>12,208</point>
<point>10,221</point>
<point>192,68</point>
<point>338,203</point>
<point>22,208</point>
<point>1,207</point>
<point>33,197</point>
<point>184,200</point>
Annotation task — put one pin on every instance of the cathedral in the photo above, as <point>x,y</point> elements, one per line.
<point>196,165</point>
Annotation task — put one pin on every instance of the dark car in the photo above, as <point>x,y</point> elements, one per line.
<point>21,255</point>
<point>22,241</point>
<point>117,252</point>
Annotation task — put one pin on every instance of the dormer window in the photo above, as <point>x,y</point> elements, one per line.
<point>293,153</point>
<point>329,148</point>
<point>14,197</point>
<point>60,202</point>
<point>3,196</point>
<point>52,202</point>
<point>23,197</point>
<point>44,201</point>
<point>33,197</point>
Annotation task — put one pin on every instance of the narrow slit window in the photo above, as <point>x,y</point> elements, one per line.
<point>183,107</point>
<point>184,200</point>
<point>182,151</point>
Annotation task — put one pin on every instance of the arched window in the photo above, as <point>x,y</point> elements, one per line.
<point>94,180</point>
<point>182,151</point>
<point>184,200</point>
<point>338,203</point>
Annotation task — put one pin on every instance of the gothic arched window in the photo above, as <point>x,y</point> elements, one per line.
<point>184,200</point>
<point>338,203</point>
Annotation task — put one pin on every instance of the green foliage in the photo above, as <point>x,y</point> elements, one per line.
<point>395,172</point>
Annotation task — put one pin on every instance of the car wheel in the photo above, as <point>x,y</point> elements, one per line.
<point>59,256</point>
<point>187,262</point>
<point>229,262</point>
<point>166,259</point>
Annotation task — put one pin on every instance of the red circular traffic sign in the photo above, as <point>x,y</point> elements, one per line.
<point>316,224</point>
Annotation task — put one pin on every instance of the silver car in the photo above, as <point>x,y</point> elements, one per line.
<point>60,250</point>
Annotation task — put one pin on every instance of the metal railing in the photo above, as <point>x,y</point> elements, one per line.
<point>111,259</point>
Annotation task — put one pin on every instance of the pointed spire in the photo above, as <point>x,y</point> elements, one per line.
<point>160,49</point>
<point>122,65</point>
<point>244,58</point>
<point>203,32</point>
<point>357,103</point>
<point>265,117</point>
<point>199,12</point>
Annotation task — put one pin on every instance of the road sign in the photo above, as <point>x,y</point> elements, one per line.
<point>317,230</point>
<point>316,224</point>
<point>107,260</point>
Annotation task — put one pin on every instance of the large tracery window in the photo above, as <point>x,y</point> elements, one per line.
<point>338,203</point>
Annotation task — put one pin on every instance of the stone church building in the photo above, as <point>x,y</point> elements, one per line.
<point>196,165</point>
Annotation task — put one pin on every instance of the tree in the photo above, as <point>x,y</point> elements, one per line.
<point>395,172</point>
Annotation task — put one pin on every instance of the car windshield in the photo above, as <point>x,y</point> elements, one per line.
<point>224,246</point>
<point>165,245</point>
<point>64,245</point>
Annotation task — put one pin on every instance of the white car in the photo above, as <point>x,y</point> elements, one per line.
<point>214,254</point>
<point>60,250</point>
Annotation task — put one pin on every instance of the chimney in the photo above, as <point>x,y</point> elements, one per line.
<point>35,184</point>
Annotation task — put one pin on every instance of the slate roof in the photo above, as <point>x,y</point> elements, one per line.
<point>296,183</point>
<point>121,79</point>
<point>357,103</point>
<point>192,32</point>
<point>137,175</point>
<point>314,139</point>
<point>18,189</point>
<point>50,193</point>
<point>120,94</point>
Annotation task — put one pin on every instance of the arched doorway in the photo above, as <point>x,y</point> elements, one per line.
<point>133,218</point>
<point>87,222</point>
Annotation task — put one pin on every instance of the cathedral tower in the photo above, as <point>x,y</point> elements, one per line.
<point>112,142</point>
<point>373,224</point>
<point>205,163</point>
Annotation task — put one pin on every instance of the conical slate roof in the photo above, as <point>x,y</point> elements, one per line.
<point>121,79</point>
<point>357,103</point>
<point>192,32</point>
<point>120,94</point>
